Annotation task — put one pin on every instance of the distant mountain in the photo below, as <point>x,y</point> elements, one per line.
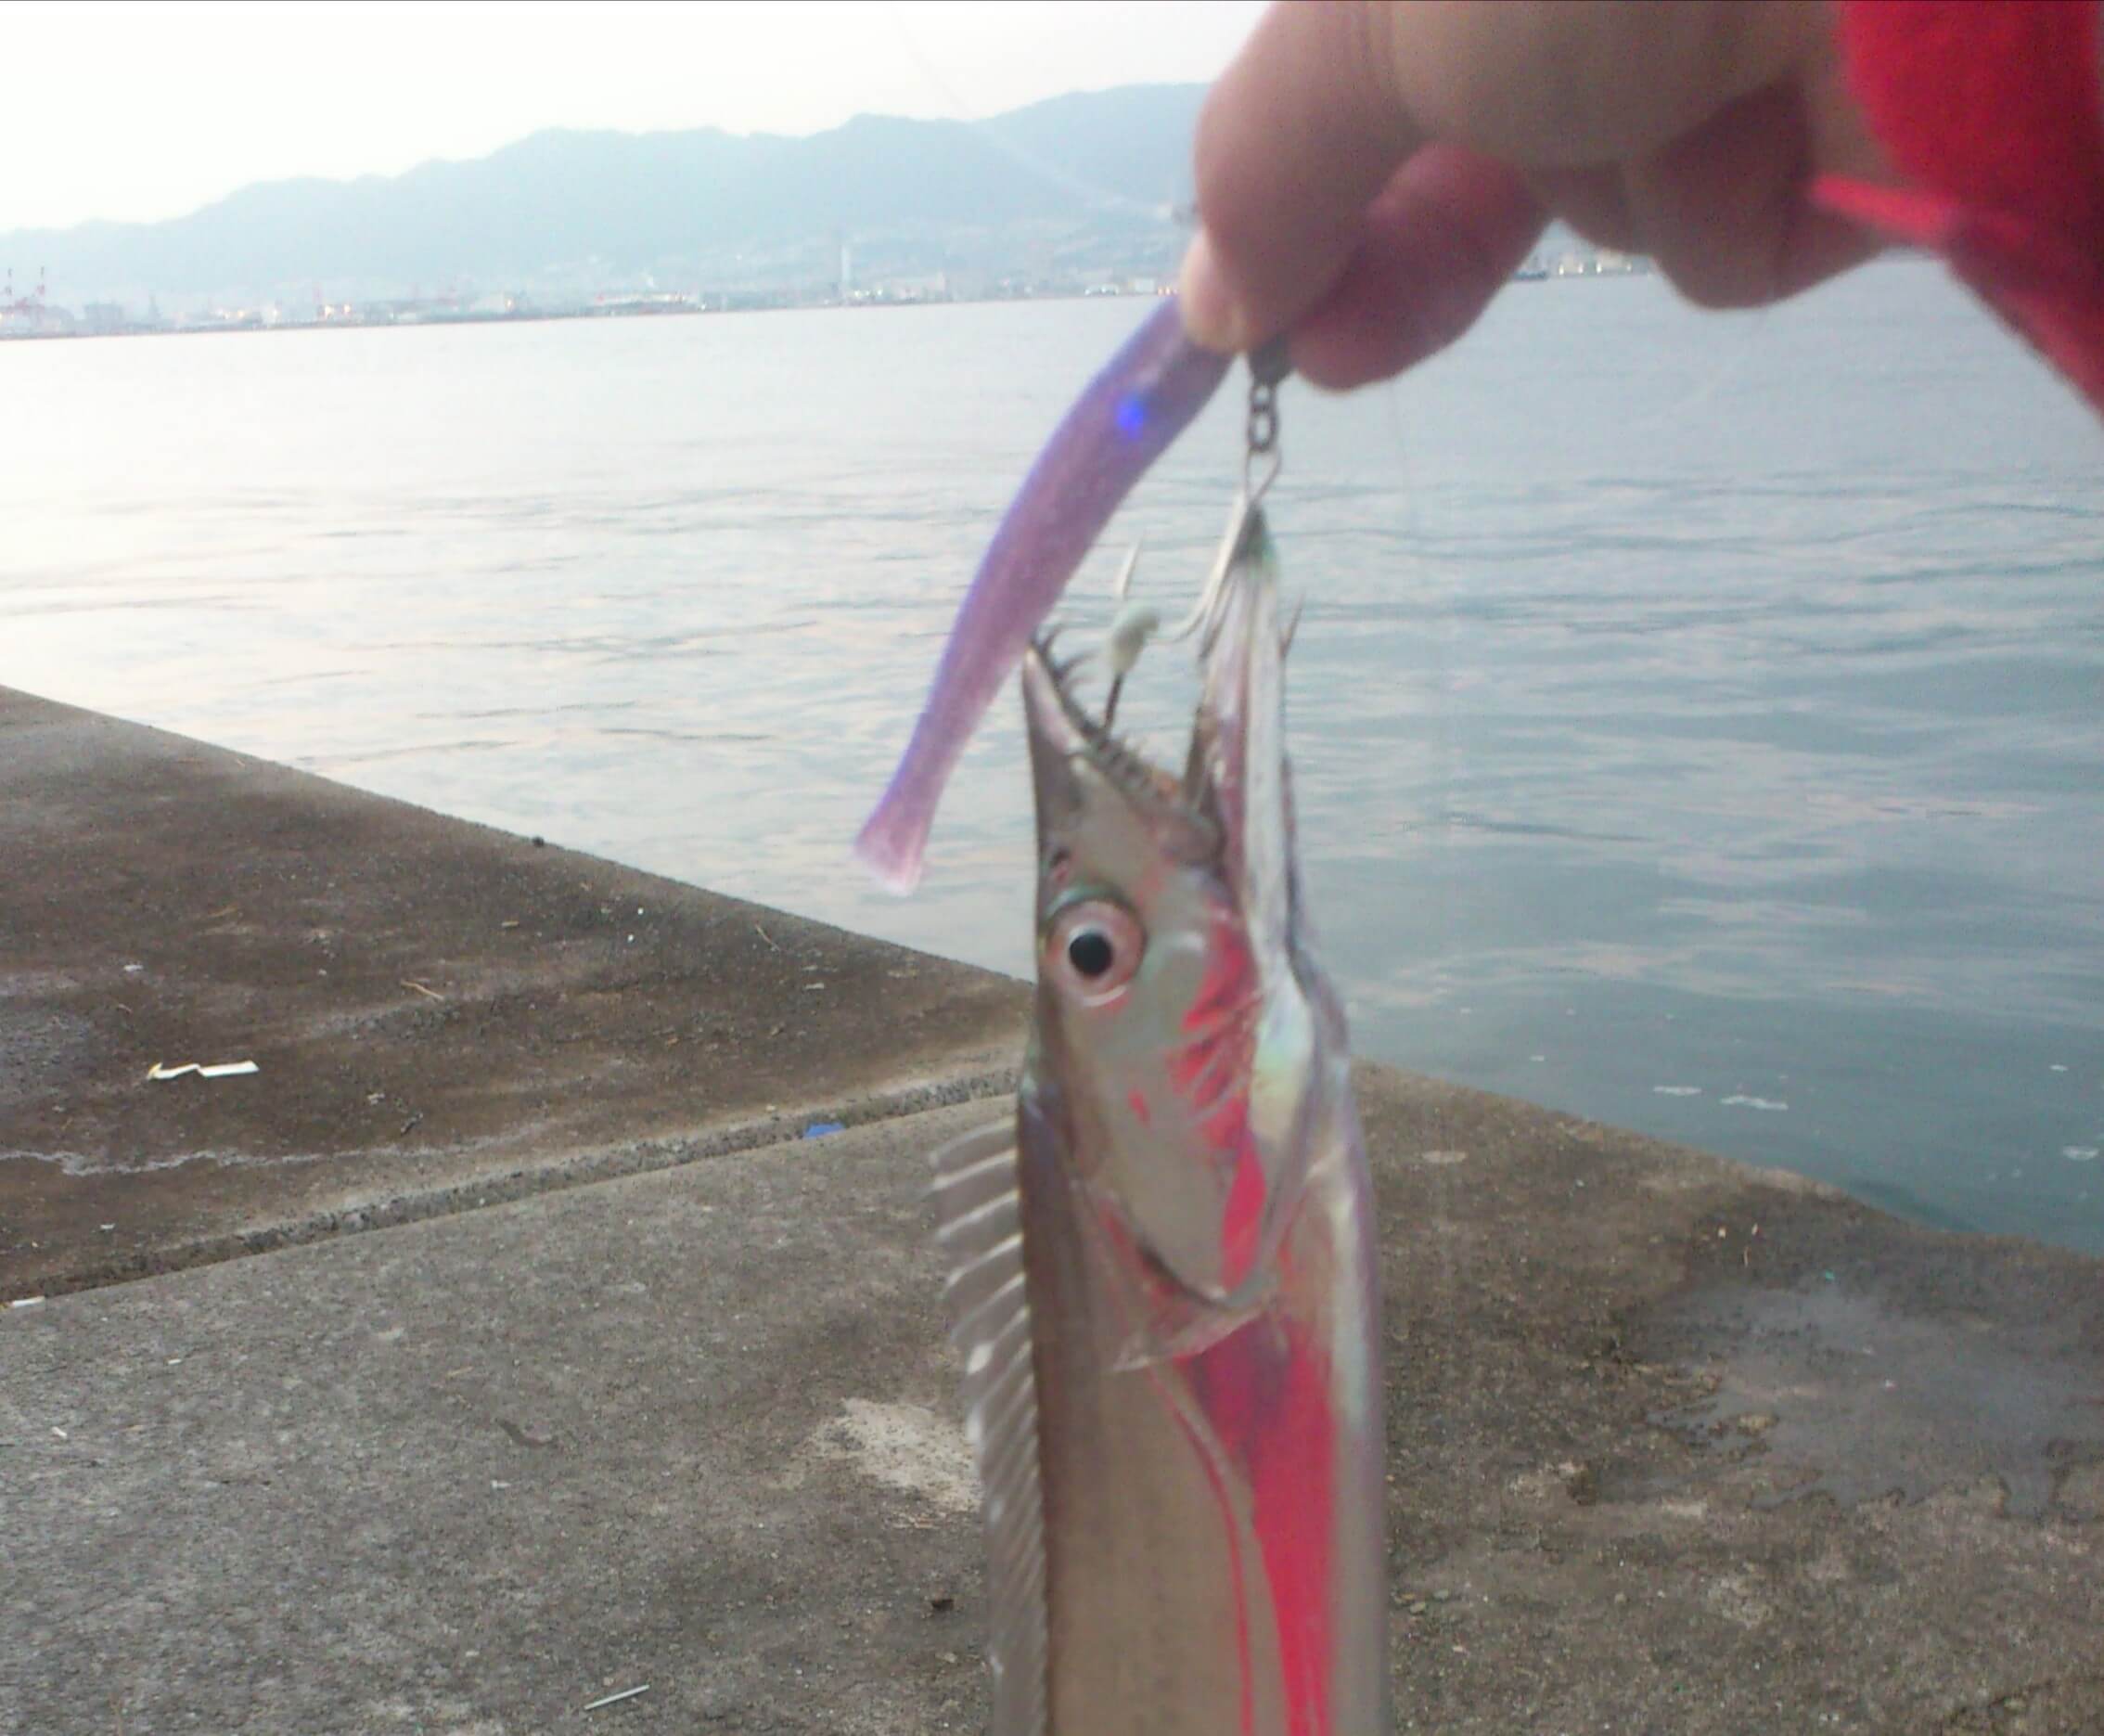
<point>1089,178</point>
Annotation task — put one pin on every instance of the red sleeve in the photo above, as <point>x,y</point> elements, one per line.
<point>1991,112</point>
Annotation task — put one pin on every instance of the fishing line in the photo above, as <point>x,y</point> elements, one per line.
<point>1416,571</point>
<point>1180,217</point>
<point>1725,371</point>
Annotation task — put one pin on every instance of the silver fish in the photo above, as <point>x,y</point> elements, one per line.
<point>1163,1274</point>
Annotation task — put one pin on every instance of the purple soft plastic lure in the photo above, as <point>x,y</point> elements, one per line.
<point>1148,394</point>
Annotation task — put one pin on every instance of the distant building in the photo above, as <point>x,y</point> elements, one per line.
<point>927,287</point>
<point>104,317</point>
<point>33,318</point>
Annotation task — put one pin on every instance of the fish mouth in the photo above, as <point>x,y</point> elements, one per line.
<point>1236,723</point>
<point>1059,718</point>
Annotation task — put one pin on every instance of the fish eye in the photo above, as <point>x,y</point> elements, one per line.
<point>1090,951</point>
<point>1094,949</point>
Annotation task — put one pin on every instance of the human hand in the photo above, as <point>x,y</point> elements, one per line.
<point>1370,174</point>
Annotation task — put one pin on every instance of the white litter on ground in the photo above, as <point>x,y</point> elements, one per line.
<point>221,1069</point>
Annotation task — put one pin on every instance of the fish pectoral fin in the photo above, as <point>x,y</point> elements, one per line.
<point>978,1230</point>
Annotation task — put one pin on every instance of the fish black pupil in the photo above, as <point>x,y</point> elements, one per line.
<point>1090,952</point>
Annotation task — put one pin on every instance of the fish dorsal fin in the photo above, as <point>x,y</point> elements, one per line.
<point>979,1213</point>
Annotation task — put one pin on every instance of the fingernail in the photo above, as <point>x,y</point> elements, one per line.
<point>1210,314</point>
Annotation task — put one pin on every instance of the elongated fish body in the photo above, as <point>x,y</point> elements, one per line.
<point>1163,1275</point>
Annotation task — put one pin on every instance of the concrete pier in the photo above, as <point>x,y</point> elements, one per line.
<point>501,1344</point>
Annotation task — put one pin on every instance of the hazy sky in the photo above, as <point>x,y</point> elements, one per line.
<point>146,110</point>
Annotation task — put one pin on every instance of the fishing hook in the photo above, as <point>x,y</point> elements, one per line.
<point>1269,366</point>
<point>1134,623</point>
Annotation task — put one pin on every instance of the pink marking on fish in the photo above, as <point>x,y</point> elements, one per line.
<point>1220,1039</point>
<point>1229,984</point>
<point>1264,1391</point>
<point>1241,1228</point>
<point>1143,1111</point>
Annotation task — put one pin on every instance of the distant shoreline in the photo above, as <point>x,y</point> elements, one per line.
<point>536,317</point>
<point>658,308</point>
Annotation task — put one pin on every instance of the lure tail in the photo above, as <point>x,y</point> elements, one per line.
<point>1150,392</point>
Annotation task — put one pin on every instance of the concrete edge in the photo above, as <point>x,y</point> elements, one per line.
<point>577,1169</point>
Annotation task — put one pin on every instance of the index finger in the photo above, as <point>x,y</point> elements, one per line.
<point>1296,139</point>
<point>1330,99</point>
